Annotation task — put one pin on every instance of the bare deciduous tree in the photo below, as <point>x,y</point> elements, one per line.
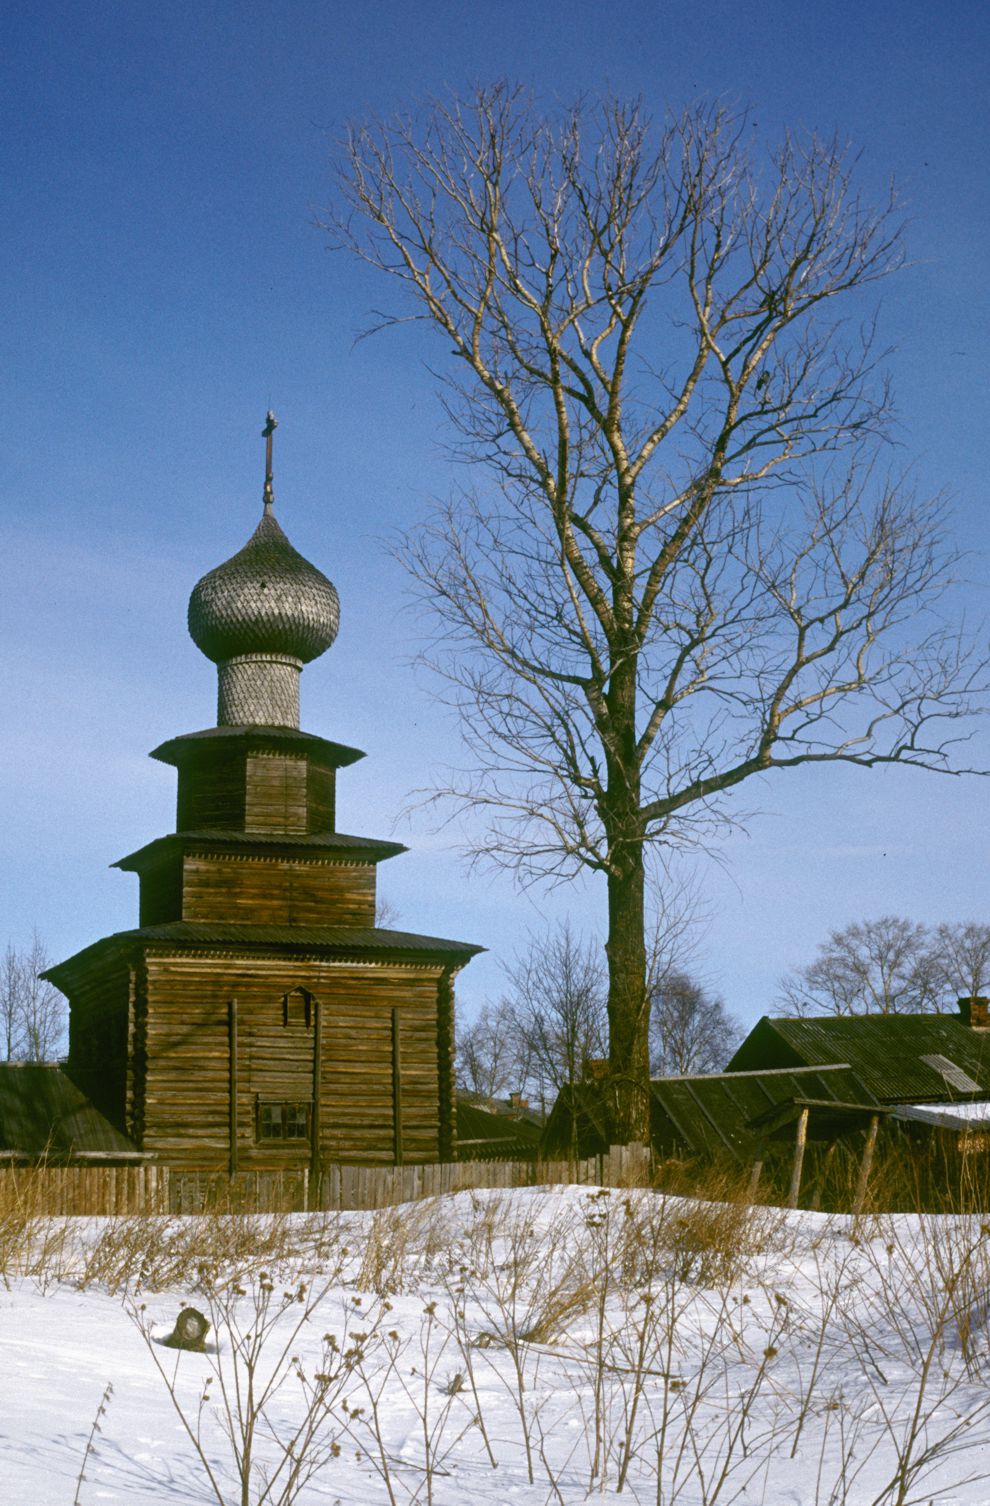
<point>961,959</point>
<point>882,966</point>
<point>488,1053</point>
<point>691,1030</point>
<point>557,995</point>
<point>690,569</point>
<point>32,1012</point>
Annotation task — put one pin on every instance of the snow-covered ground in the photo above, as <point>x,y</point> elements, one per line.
<point>493,1348</point>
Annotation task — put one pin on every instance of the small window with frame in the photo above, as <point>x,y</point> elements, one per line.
<point>283,1123</point>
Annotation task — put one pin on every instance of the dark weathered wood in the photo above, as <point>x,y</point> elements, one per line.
<point>317,1118</point>
<point>302,891</point>
<point>212,791</point>
<point>161,892</point>
<point>275,793</point>
<point>866,1164</point>
<point>397,1085</point>
<point>320,798</point>
<point>446,1100</point>
<point>232,1107</point>
<point>800,1142</point>
<point>187,1097</point>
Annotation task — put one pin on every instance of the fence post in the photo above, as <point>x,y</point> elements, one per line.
<point>867,1162</point>
<point>800,1142</point>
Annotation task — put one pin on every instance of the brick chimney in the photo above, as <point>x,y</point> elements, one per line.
<point>975,1012</point>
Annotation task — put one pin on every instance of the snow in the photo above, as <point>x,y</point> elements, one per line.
<point>698,1353</point>
<point>945,1115</point>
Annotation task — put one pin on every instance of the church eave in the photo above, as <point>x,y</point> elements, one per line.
<point>303,845</point>
<point>190,746</point>
<point>337,943</point>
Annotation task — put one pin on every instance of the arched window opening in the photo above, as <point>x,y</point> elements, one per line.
<point>297,1008</point>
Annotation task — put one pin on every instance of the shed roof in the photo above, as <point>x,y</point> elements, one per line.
<point>708,1114</point>
<point>952,1116</point>
<point>482,1135</point>
<point>44,1113</point>
<point>896,1056</point>
<point>713,1115</point>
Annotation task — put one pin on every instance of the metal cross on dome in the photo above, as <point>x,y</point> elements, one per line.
<point>271,424</point>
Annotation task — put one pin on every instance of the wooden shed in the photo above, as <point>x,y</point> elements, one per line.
<point>257,1018</point>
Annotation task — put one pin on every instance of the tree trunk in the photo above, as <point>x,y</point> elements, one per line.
<point>628,1006</point>
<point>628,1011</point>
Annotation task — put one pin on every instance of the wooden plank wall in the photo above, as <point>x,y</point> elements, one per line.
<point>230,790</point>
<point>275,796</point>
<point>107,1190</point>
<point>187,1106</point>
<point>98,1039</point>
<point>277,891</point>
<point>211,792</point>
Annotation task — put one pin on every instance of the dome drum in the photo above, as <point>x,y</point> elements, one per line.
<point>258,690</point>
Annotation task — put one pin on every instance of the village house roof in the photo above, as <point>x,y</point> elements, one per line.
<point>485,1136</point>
<point>708,1114</point>
<point>44,1115</point>
<point>897,1057</point>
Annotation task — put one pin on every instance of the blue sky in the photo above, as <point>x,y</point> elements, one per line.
<point>163,167</point>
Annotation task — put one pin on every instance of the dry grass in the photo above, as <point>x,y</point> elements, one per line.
<point>667,1321</point>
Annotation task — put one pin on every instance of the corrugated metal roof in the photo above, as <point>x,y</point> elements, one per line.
<point>43,1113</point>
<point>958,1116</point>
<point>354,941</point>
<point>707,1114</point>
<point>888,1052</point>
<point>710,1115</point>
<point>482,1134</point>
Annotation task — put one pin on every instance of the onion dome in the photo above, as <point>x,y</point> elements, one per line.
<point>260,617</point>
<point>266,599</point>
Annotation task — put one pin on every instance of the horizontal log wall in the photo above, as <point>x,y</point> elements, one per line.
<point>228,790</point>
<point>211,792</point>
<point>320,798</point>
<point>187,1106</point>
<point>98,1040</point>
<point>275,795</point>
<point>277,891</point>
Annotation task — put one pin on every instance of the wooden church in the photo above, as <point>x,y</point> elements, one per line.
<point>257,1018</point>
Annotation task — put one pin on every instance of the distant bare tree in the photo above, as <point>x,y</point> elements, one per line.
<point>557,995</point>
<point>11,1002</point>
<point>961,959</point>
<point>690,569</point>
<point>386,913</point>
<point>882,966</point>
<point>691,1030</point>
<point>32,1011</point>
<point>488,1053</point>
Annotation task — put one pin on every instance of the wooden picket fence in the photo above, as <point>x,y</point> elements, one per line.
<point>150,1189</point>
<point>70,1191</point>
